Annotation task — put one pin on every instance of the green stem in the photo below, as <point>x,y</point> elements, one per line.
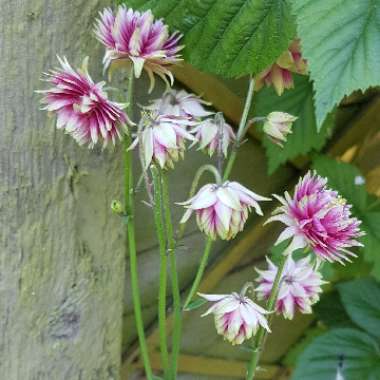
<point>176,339</point>
<point>201,269</point>
<point>227,172</point>
<point>129,208</point>
<point>261,334</point>
<point>158,219</point>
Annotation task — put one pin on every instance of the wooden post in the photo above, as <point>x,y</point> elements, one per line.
<point>61,250</point>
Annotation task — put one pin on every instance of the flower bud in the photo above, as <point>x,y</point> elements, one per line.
<point>117,207</point>
<point>277,126</point>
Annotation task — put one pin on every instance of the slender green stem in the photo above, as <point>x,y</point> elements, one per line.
<point>158,219</point>
<point>201,269</point>
<point>261,334</point>
<point>176,339</point>
<point>242,128</point>
<point>129,208</point>
<point>227,172</point>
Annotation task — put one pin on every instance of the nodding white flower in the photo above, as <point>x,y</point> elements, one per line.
<point>163,138</point>
<point>181,103</point>
<point>277,126</point>
<point>280,73</point>
<point>222,210</point>
<point>318,218</point>
<point>137,37</point>
<point>237,317</point>
<point>300,286</point>
<point>82,107</point>
<point>213,135</point>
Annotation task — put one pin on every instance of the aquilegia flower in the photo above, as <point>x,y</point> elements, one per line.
<point>163,138</point>
<point>82,107</point>
<point>280,73</point>
<point>213,134</point>
<point>318,218</point>
<point>222,209</point>
<point>181,103</point>
<point>137,37</point>
<point>237,317</point>
<point>299,289</point>
<point>277,126</point>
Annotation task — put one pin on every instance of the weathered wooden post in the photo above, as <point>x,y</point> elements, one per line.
<point>61,250</point>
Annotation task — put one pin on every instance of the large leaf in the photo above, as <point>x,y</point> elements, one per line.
<point>343,178</point>
<point>229,38</point>
<point>340,40</point>
<point>358,351</point>
<point>361,299</point>
<point>305,137</point>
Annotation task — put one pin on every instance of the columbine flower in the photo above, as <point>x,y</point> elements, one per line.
<point>237,317</point>
<point>280,73</point>
<point>213,135</point>
<point>137,37</point>
<point>277,126</point>
<point>300,286</point>
<point>181,103</point>
<point>319,218</point>
<point>163,138</point>
<point>222,209</point>
<point>82,107</point>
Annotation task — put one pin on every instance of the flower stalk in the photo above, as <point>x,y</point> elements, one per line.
<point>130,211</point>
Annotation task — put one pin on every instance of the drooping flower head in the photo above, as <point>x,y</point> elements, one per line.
<point>237,317</point>
<point>82,107</point>
<point>181,103</point>
<point>280,73</point>
<point>222,209</point>
<point>300,286</point>
<point>163,138</point>
<point>214,135</point>
<point>139,38</point>
<point>318,218</point>
<point>277,126</point>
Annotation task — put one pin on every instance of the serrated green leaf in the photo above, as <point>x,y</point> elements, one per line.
<point>340,40</point>
<point>228,38</point>
<point>358,351</point>
<point>305,137</point>
<point>195,304</point>
<point>342,177</point>
<point>361,299</point>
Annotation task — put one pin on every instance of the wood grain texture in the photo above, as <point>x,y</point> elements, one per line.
<point>62,252</point>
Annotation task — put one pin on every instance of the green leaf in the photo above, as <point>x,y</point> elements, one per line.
<point>340,40</point>
<point>341,177</point>
<point>361,298</point>
<point>228,38</point>
<point>305,137</point>
<point>195,304</point>
<point>320,360</point>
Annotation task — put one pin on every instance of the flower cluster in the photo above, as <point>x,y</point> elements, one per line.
<point>237,317</point>
<point>82,107</point>
<point>136,37</point>
<point>300,286</point>
<point>222,210</point>
<point>280,73</point>
<point>318,218</point>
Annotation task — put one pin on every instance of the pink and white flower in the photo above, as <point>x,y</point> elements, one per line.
<point>280,73</point>
<point>213,135</point>
<point>163,138</point>
<point>300,286</point>
<point>82,107</point>
<point>222,209</point>
<point>318,218</point>
<point>181,103</point>
<point>237,317</point>
<point>137,37</point>
<point>277,126</point>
